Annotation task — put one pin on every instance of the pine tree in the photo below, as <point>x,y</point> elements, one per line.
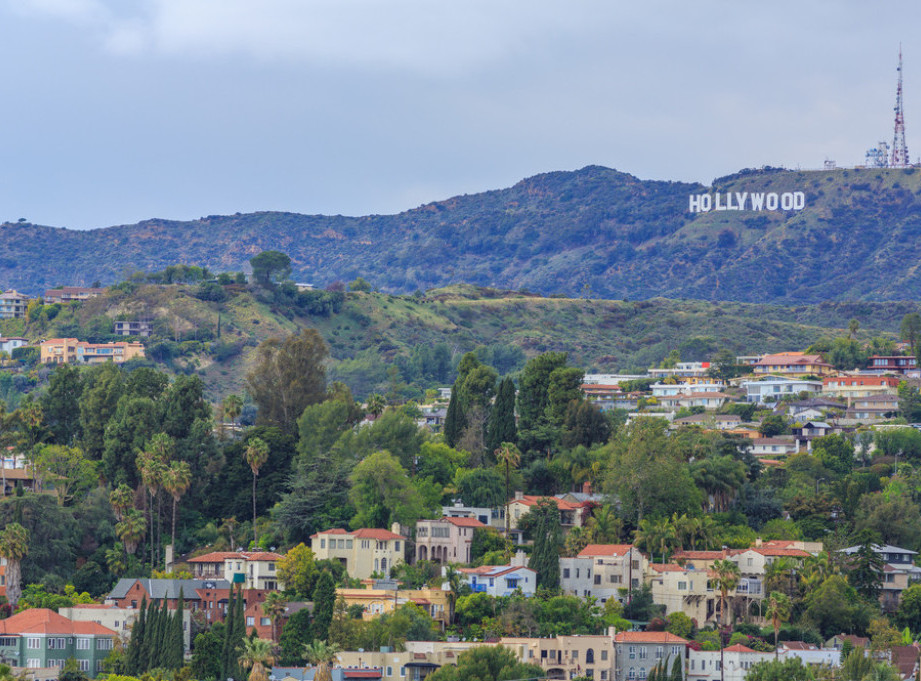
<point>160,652</point>
<point>239,632</point>
<point>502,419</point>
<point>545,557</point>
<point>454,419</point>
<point>324,603</point>
<point>136,642</point>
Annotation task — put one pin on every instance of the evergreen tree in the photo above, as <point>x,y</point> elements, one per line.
<point>227,648</point>
<point>324,603</point>
<point>545,558</point>
<point>177,643</point>
<point>502,418</point>
<point>160,652</point>
<point>454,419</point>
<point>136,642</point>
<point>677,669</point>
<point>239,632</point>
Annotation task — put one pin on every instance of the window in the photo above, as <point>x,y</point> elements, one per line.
<point>322,543</point>
<point>271,567</point>
<point>643,674</point>
<point>597,579</point>
<point>604,675</point>
<point>396,546</point>
<point>34,643</point>
<point>660,651</point>
<point>402,671</point>
<point>34,663</point>
<point>632,652</point>
<point>264,622</point>
<point>604,656</point>
<point>682,586</point>
<point>575,655</point>
<point>631,674</point>
<point>83,644</point>
<point>250,621</point>
<point>99,665</point>
<point>6,642</point>
<point>389,671</point>
<point>676,650</point>
<point>366,543</point>
<point>589,656</point>
<point>348,543</point>
<point>103,644</point>
<point>643,653</point>
<point>565,573</point>
<point>83,665</point>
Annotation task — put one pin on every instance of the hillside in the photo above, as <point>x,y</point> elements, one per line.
<point>374,331</point>
<point>595,232</point>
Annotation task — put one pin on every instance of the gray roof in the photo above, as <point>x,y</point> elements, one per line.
<point>167,588</point>
<point>888,548</point>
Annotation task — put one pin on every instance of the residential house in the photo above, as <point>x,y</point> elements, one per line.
<point>251,569</point>
<point>13,304</point>
<point>133,327</point>
<point>892,364</point>
<point>796,364</point>
<point>767,390</point>
<point>501,580</point>
<point>683,370</point>
<point>692,398</point>
<point>637,652</point>
<point>71,350</point>
<point>567,657</point>
<point>771,447</point>
<point>363,552</point>
<point>66,294</point>
<point>810,654</point>
<point>710,421</point>
<point>812,408</point>
<point>809,431</point>
<point>571,514</point>
<point>899,572</point>
<point>384,597</point>
<point>418,660</point>
<point>874,408</point>
<point>493,517</point>
<point>683,589</point>
<point>672,389</point>
<point>603,571</point>
<point>10,343</point>
<point>730,664</point>
<point>850,387</point>
<point>119,620</point>
<point>445,540</point>
<point>40,638</point>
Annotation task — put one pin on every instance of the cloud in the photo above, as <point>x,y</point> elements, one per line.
<point>425,36</point>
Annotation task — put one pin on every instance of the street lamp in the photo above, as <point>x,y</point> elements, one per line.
<point>817,484</point>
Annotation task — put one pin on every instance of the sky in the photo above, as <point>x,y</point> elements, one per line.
<point>115,111</point>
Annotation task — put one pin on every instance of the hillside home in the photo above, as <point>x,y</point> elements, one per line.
<point>794,364</point>
<point>710,401</point>
<point>567,657</point>
<point>445,540</point>
<point>252,569</point>
<point>710,421</point>
<point>10,343</point>
<point>13,304</point>
<point>493,517</point>
<point>603,571</point>
<point>42,639</point>
<point>672,389</point>
<point>119,620</point>
<point>769,390</point>
<point>874,408</point>
<point>771,447</point>
<point>571,514</point>
<point>850,387</point>
<point>732,665</point>
<point>71,350</point>
<point>501,580</point>
<point>132,328</point>
<point>66,294</point>
<point>377,600</point>
<point>892,364</point>
<point>364,553</point>
<point>809,431</point>
<point>683,589</point>
<point>898,573</point>
<point>637,652</point>
<point>683,370</point>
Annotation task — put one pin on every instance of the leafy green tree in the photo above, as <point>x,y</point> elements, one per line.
<point>502,427</point>
<point>135,422</point>
<point>61,404</point>
<point>910,329</point>
<point>480,487</point>
<point>98,402</point>
<point>298,570</point>
<point>835,606</point>
<point>894,520</point>
<point>382,494</point>
<point>865,569</point>
<point>454,418</point>
<point>69,471</point>
<point>585,425</point>
<point>295,634</point>
<point>548,540</point>
<point>288,376</point>
<point>727,576</point>
<point>206,653</point>
<point>773,425</point>
<point>270,268</point>
<point>14,546</point>
<point>534,391</point>
<point>679,624</point>
<point>835,452</point>
<point>909,611</point>
<point>487,663</point>
<point>791,669</point>
<point>562,390</point>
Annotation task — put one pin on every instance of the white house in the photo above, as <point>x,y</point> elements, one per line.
<point>776,387</point>
<point>500,580</point>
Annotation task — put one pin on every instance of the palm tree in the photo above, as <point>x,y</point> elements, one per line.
<point>816,569</point>
<point>778,611</point>
<point>778,575</point>
<point>376,404</point>
<point>233,407</point>
<point>727,579</point>
<point>115,559</point>
<point>655,534</point>
<point>508,454</point>
<point>131,529</point>
<point>275,606</point>
<point>256,454</point>
<point>121,499</point>
<point>605,525</point>
<point>455,583</point>
<point>176,481</point>
<point>14,546</point>
<point>151,464</point>
<point>321,654</point>
<point>256,654</point>
<point>685,529</point>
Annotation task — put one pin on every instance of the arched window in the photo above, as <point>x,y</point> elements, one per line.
<point>642,673</point>
<point>589,656</point>
<point>632,674</point>
<point>384,566</point>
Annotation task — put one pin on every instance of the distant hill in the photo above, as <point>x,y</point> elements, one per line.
<point>594,232</point>
<point>372,332</point>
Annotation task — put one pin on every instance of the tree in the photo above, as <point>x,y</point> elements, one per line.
<point>176,480</point>
<point>910,329</point>
<point>382,493</point>
<point>454,418</point>
<point>233,407</point>
<point>656,536</point>
<point>61,404</point>
<point>791,669</point>
<point>835,606</point>
<point>376,404</point>
<point>853,327</point>
<point>131,529</point>
<point>71,473</point>
<point>865,569</point>
<point>270,268</point>
<point>727,578</point>
<point>256,654</point>
<point>206,654</point>
<point>548,540</point>
<point>275,606</point>
<point>14,546</point>
<point>502,426</point>
<point>909,612</point>
<point>298,570</point>
<point>773,425</point>
<point>324,603</point>
<point>487,663</point>
<point>778,611</point>
<point>508,457</point>
<point>256,454</point>
<point>534,386</point>
<point>288,376</point>
<point>321,654</point>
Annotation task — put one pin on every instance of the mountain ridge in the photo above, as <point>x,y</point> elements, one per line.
<point>595,232</point>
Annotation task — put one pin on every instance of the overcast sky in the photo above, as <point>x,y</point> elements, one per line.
<point>116,111</point>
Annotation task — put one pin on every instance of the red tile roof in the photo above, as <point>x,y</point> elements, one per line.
<point>647,637</point>
<point>531,500</point>
<point>45,621</point>
<point>795,553</point>
<point>379,535</point>
<point>464,522</point>
<point>699,555</point>
<point>667,567</point>
<point>600,550</point>
<point>221,556</point>
<point>738,648</point>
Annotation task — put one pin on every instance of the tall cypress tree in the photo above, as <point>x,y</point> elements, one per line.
<point>227,648</point>
<point>161,652</point>
<point>136,642</point>
<point>239,632</point>
<point>545,557</point>
<point>177,642</point>
<point>678,669</point>
<point>502,418</point>
<point>454,419</point>
<point>324,603</point>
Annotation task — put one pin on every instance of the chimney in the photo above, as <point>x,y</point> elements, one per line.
<point>520,559</point>
<point>586,487</point>
<point>519,494</point>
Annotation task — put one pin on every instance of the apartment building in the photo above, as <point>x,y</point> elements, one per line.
<point>66,294</point>
<point>132,328</point>
<point>603,571</point>
<point>636,653</point>
<point>71,350</point>
<point>13,304</point>
<point>364,553</point>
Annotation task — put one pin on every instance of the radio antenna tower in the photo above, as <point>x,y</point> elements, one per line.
<point>899,158</point>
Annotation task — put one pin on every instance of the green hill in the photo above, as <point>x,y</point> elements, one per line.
<point>372,332</point>
<point>596,232</point>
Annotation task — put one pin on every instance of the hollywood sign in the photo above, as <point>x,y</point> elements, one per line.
<point>704,203</point>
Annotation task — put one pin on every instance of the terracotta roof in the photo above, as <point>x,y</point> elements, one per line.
<point>699,555</point>
<point>464,522</point>
<point>770,551</point>
<point>380,535</point>
<point>738,648</point>
<point>798,645</point>
<point>647,637</point>
<point>531,500</point>
<point>777,544</point>
<point>45,621</point>
<point>787,358</point>
<point>667,567</point>
<point>221,556</point>
<point>335,530</point>
<point>599,550</point>
<point>770,462</point>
